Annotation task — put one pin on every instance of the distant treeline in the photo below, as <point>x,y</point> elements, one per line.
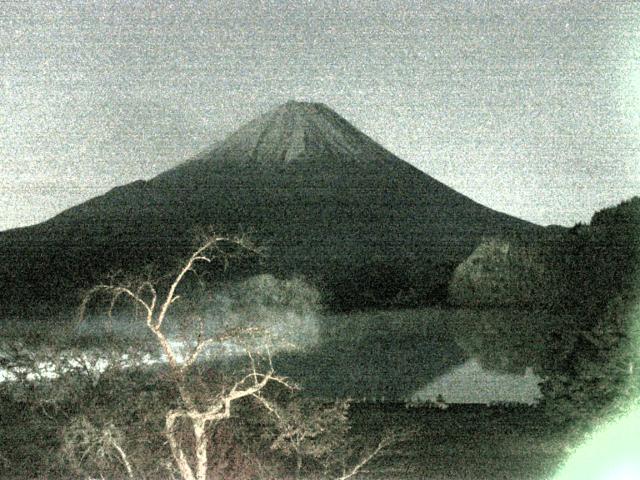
<point>575,269</point>
<point>386,283</point>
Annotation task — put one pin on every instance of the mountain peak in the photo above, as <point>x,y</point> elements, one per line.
<point>294,130</point>
<point>294,106</point>
<point>325,197</point>
<point>299,114</point>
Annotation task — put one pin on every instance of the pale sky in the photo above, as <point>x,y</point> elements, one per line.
<point>471,383</point>
<point>529,107</point>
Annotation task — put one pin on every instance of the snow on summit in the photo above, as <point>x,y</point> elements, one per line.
<point>295,130</point>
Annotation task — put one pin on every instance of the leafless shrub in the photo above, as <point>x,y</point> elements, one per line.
<point>319,434</point>
<point>89,447</point>
<point>308,429</point>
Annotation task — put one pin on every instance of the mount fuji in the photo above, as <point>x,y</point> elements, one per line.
<point>325,200</point>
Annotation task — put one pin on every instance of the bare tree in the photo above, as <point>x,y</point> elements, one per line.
<point>313,430</point>
<point>387,439</point>
<point>309,429</point>
<point>321,435</point>
<point>193,463</point>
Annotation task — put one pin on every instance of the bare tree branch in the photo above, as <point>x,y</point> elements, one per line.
<point>385,441</point>
<point>115,291</point>
<point>192,466</point>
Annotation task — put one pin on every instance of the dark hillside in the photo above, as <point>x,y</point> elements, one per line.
<point>589,276</point>
<point>301,180</point>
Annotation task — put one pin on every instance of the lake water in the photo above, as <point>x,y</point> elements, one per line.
<point>399,355</point>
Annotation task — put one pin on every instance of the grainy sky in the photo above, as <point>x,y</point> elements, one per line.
<point>529,107</point>
<point>471,383</point>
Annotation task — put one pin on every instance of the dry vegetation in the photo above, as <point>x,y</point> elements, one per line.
<point>184,418</point>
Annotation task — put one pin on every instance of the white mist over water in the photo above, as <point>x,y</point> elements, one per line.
<point>280,315</point>
<point>290,332</point>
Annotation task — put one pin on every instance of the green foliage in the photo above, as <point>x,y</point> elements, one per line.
<point>595,367</point>
<point>281,311</point>
<point>266,291</point>
<point>593,372</point>
<point>574,270</point>
<point>506,340</point>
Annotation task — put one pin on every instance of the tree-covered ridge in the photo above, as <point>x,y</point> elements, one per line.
<point>501,272</point>
<point>588,276</point>
<point>576,269</point>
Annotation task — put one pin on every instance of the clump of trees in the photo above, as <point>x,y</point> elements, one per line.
<point>593,370</point>
<point>592,363</point>
<point>572,270</point>
<point>502,272</point>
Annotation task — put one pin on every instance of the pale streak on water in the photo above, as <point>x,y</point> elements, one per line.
<point>96,362</point>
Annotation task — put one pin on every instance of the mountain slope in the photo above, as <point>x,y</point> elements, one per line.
<point>324,198</point>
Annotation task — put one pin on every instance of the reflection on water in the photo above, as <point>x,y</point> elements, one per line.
<point>395,355</point>
<point>470,383</point>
